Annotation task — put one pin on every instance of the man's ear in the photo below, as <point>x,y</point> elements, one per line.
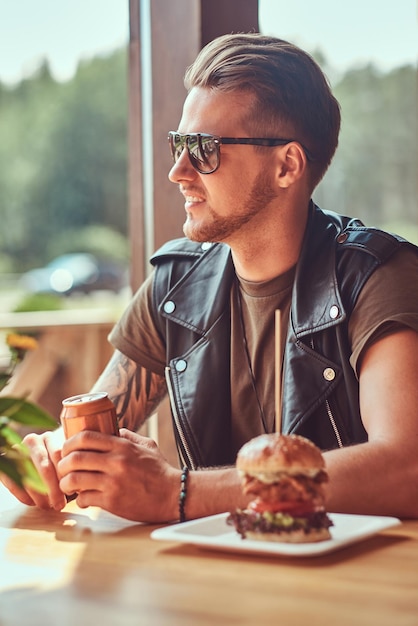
<point>291,165</point>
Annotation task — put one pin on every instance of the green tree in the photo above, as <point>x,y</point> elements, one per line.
<point>25,112</point>
<point>64,160</point>
<point>63,155</point>
<point>373,175</point>
<point>82,178</point>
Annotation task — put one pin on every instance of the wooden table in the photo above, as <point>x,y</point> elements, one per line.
<point>88,567</point>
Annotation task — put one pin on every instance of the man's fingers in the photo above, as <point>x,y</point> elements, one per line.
<point>138,439</point>
<point>45,452</point>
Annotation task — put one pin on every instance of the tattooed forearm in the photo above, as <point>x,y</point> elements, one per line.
<point>149,389</point>
<point>135,391</point>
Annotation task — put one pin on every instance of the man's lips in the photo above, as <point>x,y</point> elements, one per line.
<point>191,197</point>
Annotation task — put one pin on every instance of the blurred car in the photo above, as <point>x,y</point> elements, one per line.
<point>76,273</point>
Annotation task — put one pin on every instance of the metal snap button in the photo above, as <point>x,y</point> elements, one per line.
<point>169,306</point>
<point>342,237</point>
<point>181,365</point>
<point>206,245</point>
<point>334,312</point>
<point>328,373</point>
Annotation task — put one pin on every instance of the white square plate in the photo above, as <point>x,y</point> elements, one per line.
<point>214,533</point>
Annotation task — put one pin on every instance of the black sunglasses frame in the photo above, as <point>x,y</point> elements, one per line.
<point>177,140</point>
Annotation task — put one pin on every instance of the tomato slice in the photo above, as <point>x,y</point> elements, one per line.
<point>294,508</point>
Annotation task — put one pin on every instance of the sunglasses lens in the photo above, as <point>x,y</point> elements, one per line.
<point>203,153</point>
<point>176,143</point>
<point>202,149</point>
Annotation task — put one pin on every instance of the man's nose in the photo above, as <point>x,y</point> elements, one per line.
<point>182,169</point>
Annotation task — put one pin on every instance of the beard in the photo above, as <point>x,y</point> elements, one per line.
<point>216,228</point>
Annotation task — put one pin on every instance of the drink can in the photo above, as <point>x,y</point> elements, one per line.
<point>89,411</point>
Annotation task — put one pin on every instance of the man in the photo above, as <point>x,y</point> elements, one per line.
<point>258,131</point>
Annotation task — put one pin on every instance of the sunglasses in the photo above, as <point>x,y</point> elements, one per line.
<point>204,150</point>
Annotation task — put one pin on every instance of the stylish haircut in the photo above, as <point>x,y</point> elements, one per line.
<point>292,96</point>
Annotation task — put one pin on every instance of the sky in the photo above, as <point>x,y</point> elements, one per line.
<point>350,33</point>
<point>65,31</point>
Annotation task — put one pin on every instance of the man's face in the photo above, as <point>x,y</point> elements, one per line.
<point>229,203</point>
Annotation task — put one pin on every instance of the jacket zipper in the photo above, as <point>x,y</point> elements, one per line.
<point>334,425</point>
<point>189,461</point>
<point>329,413</point>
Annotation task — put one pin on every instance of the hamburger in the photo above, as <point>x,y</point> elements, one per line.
<point>286,476</point>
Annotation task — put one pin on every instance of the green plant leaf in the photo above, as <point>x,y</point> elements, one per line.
<point>9,436</point>
<point>10,468</point>
<point>9,405</point>
<point>31,477</point>
<point>15,459</point>
<point>25,412</point>
<point>17,464</point>
<point>4,379</point>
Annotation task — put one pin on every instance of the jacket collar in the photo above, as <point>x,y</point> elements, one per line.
<point>316,301</point>
<point>202,295</point>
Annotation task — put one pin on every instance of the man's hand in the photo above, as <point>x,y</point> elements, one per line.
<point>125,475</point>
<point>45,451</point>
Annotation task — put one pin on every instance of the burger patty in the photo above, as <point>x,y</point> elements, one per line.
<point>251,521</point>
<point>287,488</point>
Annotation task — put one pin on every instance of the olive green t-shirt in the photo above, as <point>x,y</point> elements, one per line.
<point>388,300</point>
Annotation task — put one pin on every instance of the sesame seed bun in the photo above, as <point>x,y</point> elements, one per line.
<point>270,454</point>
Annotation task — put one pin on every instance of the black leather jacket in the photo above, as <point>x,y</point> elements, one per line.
<point>320,391</point>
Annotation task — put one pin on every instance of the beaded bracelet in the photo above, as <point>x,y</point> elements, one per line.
<point>183,493</point>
